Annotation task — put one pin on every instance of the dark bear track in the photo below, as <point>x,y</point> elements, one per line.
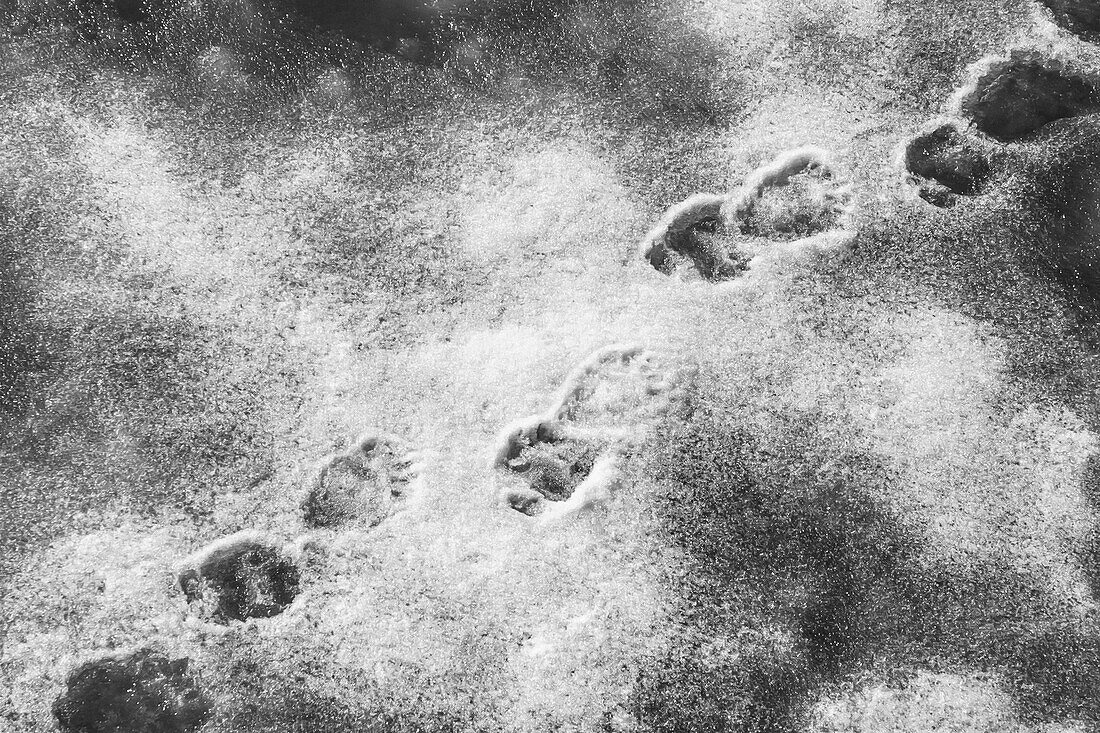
<point>144,692</point>
<point>241,577</point>
<point>1081,17</point>
<point>1017,96</point>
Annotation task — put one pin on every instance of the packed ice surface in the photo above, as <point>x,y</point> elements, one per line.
<point>849,487</point>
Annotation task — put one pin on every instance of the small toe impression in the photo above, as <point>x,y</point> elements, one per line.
<point>525,501</point>
<point>142,692</point>
<point>945,162</point>
<point>797,195</point>
<point>240,577</point>
<point>368,482</point>
<point>1012,98</point>
<point>1081,17</point>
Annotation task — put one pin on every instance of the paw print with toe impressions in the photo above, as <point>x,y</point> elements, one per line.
<point>797,196</point>
<point>946,162</point>
<point>567,457</point>
<point>365,484</point>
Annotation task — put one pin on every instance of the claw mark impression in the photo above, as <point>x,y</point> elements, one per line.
<point>368,483</point>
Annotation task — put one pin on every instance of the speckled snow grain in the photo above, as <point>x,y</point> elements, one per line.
<point>495,366</point>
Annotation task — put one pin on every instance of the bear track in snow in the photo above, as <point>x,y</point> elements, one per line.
<point>1009,99</point>
<point>798,195</point>
<point>366,483</point>
<point>143,692</point>
<point>568,455</point>
<point>239,577</point>
<point>1080,17</point>
<point>1012,97</point>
